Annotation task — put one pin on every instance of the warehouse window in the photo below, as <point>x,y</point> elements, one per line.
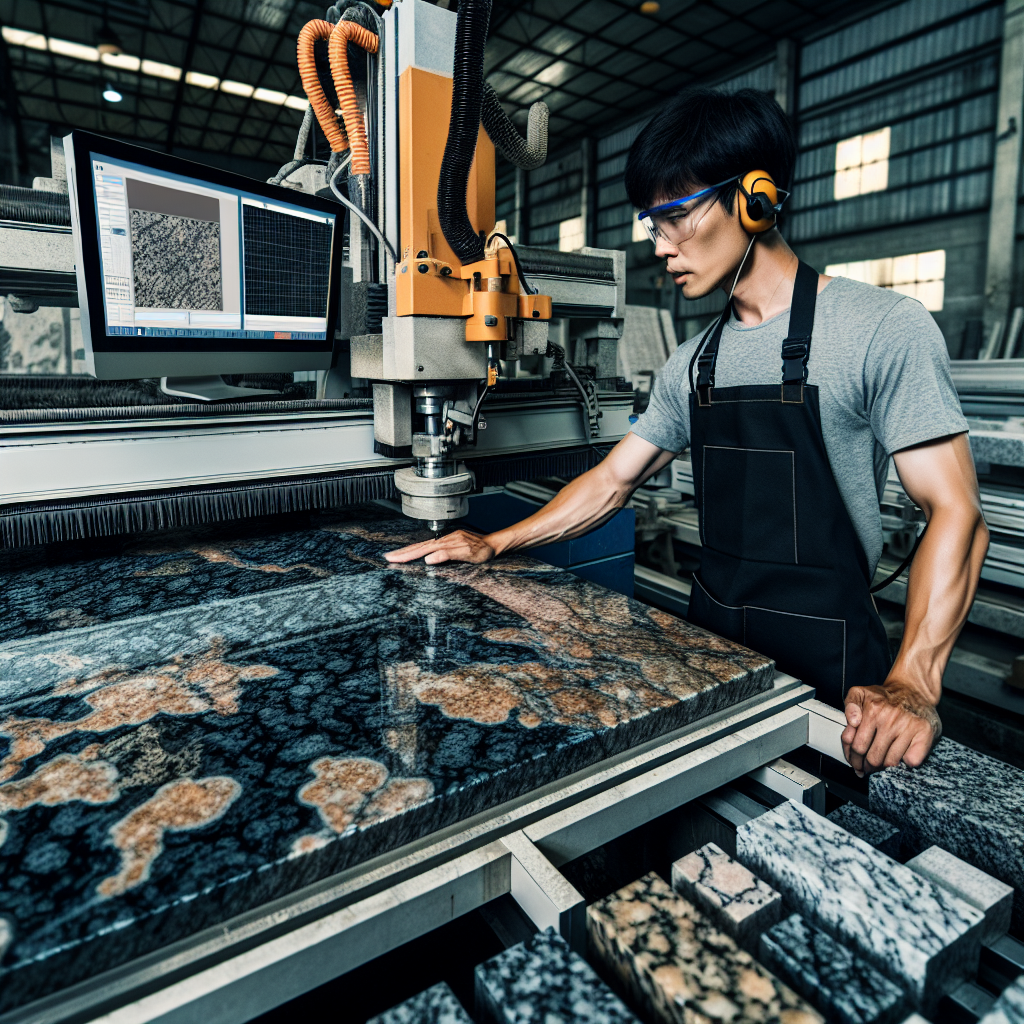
<point>862,164</point>
<point>921,275</point>
<point>639,231</point>
<point>570,234</point>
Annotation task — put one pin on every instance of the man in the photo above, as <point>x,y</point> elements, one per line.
<point>791,406</point>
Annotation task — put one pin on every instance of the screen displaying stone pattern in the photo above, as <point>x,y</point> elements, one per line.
<point>193,724</point>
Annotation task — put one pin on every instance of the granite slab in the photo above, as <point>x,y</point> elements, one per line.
<point>874,830</point>
<point>676,967</point>
<point>734,898</point>
<point>915,932</point>
<point>1009,1007</point>
<point>542,981</point>
<point>193,724</point>
<point>992,897</point>
<point>436,1005</point>
<point>967,803</point>
<point>841,984</point>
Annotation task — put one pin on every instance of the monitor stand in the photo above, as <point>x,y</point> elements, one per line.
<point>208,389</point>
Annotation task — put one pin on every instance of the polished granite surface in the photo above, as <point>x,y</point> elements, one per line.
<point>928,804</point>
<point>844,987</point>
<point>192,724</point>
<point>917,933</point>
<point>864,825</point>
<point>1009,1007</point>
<point>677,967</point>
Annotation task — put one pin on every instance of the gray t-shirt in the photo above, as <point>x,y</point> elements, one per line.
<point>882,370</point>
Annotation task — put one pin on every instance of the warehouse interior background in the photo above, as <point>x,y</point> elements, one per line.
<point>903,179</point>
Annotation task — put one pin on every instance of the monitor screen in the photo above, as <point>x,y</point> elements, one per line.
<point>198,270</point>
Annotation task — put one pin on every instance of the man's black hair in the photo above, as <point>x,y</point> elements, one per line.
<point>703,137</point>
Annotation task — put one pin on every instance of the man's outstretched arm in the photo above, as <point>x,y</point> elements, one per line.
<point>897,721</point>
<point>585,503</point>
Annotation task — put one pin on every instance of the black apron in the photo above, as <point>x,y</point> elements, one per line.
<point>782,570</point>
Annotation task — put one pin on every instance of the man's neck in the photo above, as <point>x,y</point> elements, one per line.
<point>765,287</point>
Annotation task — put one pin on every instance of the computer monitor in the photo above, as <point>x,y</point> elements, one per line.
<point>187,271</point>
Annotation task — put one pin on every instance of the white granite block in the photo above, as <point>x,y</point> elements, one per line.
<point>992,897</point>
<point>867,826</point>
<point>912,930</point>
<point>846,989</point>
<point>735,899</point>
<point>1009,1007</point>
<point>967,803</point>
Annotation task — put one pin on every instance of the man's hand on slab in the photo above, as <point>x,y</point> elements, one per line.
<point>460,546</point>
<point>886,725</point>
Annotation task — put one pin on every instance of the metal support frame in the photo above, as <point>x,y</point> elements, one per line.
<point>785,75</point>
<point>1007,170</point>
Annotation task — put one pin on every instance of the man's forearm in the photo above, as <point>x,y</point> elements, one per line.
<point>943,580</point>
<point>580,506</point>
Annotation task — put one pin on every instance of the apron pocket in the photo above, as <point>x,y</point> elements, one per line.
<point>748,499</point>
<point>720,619</point>
<point>812,649</point>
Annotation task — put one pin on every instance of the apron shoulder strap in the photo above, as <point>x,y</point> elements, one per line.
<point>796,349</point>
<point>705,356</point>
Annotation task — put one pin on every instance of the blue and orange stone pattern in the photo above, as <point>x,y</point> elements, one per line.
<point>194,723</point>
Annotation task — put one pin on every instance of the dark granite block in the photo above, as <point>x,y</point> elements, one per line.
<point>913,931</point>
<point>867,826</point>
<point>840,984</point>
<point>735,899</point>
<point>677,967</point>
<point>965,802</point>
<point>437,1005</point>
<point>1009,1007</point>
<point>195,724</point>
<point>541,981</point>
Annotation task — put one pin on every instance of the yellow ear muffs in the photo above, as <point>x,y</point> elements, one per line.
<point>756,200</point>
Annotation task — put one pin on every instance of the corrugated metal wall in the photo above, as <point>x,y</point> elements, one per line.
<point>926,69</point>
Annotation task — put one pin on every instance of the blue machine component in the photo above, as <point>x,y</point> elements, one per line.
<point>603,556</point>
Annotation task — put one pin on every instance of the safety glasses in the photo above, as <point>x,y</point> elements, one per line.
<point>676,221</point>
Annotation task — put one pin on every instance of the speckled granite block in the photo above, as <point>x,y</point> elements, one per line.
<point>437,1005</point>
<point>844,987</point>
<point>1009,1007</point>
<point>542,981</point>
<point>736,900</point>
<point>915,932</point>
<point>992,897</point>
<point>192,724</point>
<point>677,967</point>
<point>965,802</point>
<point>867,826</point>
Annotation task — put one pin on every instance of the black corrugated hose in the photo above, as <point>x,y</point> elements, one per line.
<point>467,98</point>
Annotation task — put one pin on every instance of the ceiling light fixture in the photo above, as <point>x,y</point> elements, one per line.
<point>111,95</point>
<point>107,41</point>
<point>650,7</point>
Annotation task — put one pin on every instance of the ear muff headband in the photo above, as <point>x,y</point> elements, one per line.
<point>757,203</point>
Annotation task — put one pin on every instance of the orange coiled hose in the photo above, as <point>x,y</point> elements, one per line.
<point>345,32</point>
<point>311,32</point>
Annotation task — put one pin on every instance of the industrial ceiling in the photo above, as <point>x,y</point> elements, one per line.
<point>217,79</point>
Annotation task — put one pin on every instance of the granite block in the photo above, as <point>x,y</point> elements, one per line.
<point>1009,1007</point>
<point>736,900</point>
<point>967,803</point>
<point>867,826</point>
<point>992,897</point>
<point>192,724</point>
<point>436,1005</point>
<point>915,932</point>
<point>678,968</point>
<point>844,987</point>
<point>542,981</point>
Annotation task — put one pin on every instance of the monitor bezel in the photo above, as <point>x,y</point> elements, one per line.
<point>119,357</point>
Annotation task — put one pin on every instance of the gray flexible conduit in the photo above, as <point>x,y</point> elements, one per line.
<point>525,153</point>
